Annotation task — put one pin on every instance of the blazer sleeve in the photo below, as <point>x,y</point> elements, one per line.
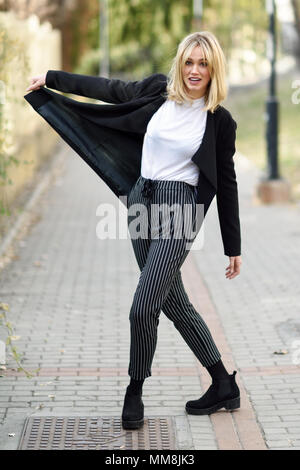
<point>111,90</point>
<point>227,190</point>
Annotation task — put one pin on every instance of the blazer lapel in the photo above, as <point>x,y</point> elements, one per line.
<point>205,156</point>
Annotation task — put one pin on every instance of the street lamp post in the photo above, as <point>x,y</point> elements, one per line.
<point>272,188</point>
<point>103,36</point>
<point>197,14</point>
<point>272,101</point>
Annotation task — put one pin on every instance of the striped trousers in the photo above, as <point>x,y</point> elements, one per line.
<point>160,252</point>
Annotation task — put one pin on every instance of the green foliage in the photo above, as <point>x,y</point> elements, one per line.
<point>144,34</point>
<point>83,30</point>
<point>123,60</point>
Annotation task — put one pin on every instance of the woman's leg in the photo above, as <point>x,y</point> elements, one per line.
<point>164,259</point>
<point>190,324</point>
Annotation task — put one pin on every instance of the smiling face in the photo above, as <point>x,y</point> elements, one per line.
<point>195,73</point>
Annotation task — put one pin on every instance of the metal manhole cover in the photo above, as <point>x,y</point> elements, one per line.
<point>79,433</point>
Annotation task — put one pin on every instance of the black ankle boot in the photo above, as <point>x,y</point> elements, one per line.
<point>133,410</point>
<point>223,393</point>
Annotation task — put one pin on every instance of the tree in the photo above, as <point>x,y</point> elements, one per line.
<point>296,9</point>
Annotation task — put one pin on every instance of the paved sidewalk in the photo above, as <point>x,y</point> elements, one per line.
<point>70,295</point>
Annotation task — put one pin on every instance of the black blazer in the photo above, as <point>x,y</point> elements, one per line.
<point>110,138</point>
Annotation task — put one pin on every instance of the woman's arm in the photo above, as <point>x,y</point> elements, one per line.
<point>108,90</point>
<point>227,192</point>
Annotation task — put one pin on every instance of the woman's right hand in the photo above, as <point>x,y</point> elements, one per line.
<point>36,82</point>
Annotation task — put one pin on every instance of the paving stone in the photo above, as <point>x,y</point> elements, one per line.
<point>280,443</point>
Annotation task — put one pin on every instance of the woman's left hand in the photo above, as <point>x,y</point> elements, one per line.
<point>234,267</point>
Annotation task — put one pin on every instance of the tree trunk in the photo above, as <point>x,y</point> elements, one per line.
<point>296,8</point>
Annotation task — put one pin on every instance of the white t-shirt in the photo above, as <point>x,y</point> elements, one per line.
<point>174,133</point>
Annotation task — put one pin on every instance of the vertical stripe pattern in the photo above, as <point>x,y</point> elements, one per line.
<point>160,286</point>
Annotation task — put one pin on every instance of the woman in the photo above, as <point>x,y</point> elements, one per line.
<point>187,148</point>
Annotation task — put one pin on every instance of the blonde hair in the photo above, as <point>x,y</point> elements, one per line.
<point>216,90</point>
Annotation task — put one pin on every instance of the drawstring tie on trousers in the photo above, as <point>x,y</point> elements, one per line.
<point>147,190</point>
